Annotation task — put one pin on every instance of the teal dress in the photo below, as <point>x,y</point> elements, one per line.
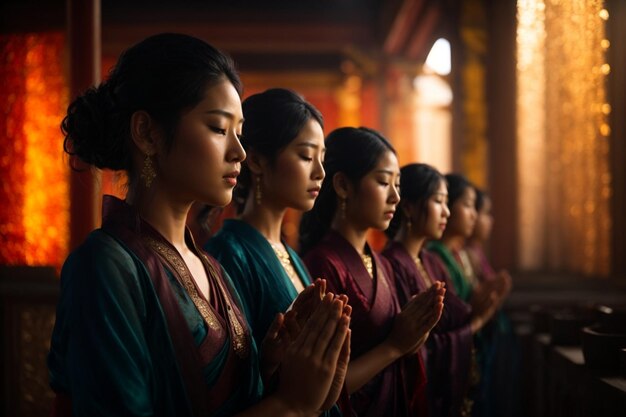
<point>259,277</point>
<point>261,281</point>
<point>116,345</point>
<point>461,285</point>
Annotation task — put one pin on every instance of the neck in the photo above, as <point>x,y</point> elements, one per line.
<point>163,212</point>
<point>413,244</point>
<point>356,236</point>
<point>474,241</point>
<point>453,242</point>
<point>266,219</point>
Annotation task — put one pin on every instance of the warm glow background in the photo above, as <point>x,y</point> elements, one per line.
<point>34,172</point>
<point>564,182</point>
<point>564,179</point>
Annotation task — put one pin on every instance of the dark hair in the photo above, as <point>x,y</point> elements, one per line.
<point>163,75</point>
<point>273,119</point>
<point>457,184</point>
<point>481,196</point>
<point>353,152</point>
<point>418,183</point>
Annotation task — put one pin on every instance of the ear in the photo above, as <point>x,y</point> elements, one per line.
<point>342,185</point>
<point>143,132</point>
<point>257,163</point>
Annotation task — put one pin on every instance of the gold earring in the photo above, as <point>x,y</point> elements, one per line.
<point>258,195</point>
<point>148,174</point>
<point>409,225</point>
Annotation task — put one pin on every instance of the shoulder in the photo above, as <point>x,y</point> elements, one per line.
<point>102,258</point>
<point>227,247</point>
<point>103,274</point>
<point>321,256</point>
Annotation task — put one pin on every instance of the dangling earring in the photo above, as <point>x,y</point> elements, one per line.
<point>342,208</point>
<point>409,225</point>
<point>257,191</point>
<point>148,174</point>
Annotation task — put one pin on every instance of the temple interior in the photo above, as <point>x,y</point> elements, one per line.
<point>526,98</point>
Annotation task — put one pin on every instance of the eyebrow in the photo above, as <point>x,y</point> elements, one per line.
<point>310,145</point>
<point>224,113</point>
<point>385,171</point>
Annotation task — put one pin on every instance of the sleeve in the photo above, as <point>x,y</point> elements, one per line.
<point>107,362</point>
<point>450,347</point>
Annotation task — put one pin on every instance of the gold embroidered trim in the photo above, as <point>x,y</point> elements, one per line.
<point>424,275</point>
<point>240,342</point>
<point>369,265</point>
<point>174,259</point>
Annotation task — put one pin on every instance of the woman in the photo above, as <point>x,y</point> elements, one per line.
<point>422,215</point>
<point>481,295</point>
<point>450,248</point>
<point>360,192</point>
<point>475,244</point>
<point>147,324</point>
<point>284,141</point>
<point>501,373</point>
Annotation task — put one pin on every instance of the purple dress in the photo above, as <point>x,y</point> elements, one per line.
<point>395,391</point>
<point>450,344</point>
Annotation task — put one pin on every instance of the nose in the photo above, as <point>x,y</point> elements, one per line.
<point>446,211</point>
<point>235,151</point>
<point>394,197</point>
<point>318,173</point>
<point>474,214</point>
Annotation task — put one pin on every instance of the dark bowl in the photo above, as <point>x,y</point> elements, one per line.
<point>601,346</point>
<point>565,326</point>
<point>611,315</point>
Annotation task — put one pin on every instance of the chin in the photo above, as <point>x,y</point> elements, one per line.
<point>219,200</point>
<point>305,206</point>
<point>383,226</point>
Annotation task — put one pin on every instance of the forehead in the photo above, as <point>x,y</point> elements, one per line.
<point>388,161</point>
<point>469,193</point>
<point>311,132</point>
<point>221,96</point>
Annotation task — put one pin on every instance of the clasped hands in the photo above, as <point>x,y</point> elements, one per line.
<point>307,349</point>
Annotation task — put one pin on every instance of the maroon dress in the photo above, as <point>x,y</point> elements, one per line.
<point>398,389</point>
<point>450,344</point>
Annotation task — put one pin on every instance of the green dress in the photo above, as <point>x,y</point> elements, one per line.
<point>259,277</point>
<point>116,345</point>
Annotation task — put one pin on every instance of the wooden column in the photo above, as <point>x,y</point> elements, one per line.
<point>616,33</point>
<point>502,155</point>
<point>84,33</point>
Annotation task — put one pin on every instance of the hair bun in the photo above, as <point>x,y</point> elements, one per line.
<point>93,131</point>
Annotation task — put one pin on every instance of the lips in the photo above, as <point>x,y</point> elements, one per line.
<point>231,178</point>
<point>314,191</point>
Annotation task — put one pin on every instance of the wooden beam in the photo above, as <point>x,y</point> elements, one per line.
<point>419,43</point>
<point>402,26</point>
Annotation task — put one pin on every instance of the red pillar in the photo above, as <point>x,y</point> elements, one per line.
<point>84,32</point>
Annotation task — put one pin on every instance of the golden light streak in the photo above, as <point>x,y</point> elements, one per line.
<point>565,183</point>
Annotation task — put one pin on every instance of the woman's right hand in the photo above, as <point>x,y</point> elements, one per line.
<point>313,369</point>
<point>485,302</point>
<point>413,324</point>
